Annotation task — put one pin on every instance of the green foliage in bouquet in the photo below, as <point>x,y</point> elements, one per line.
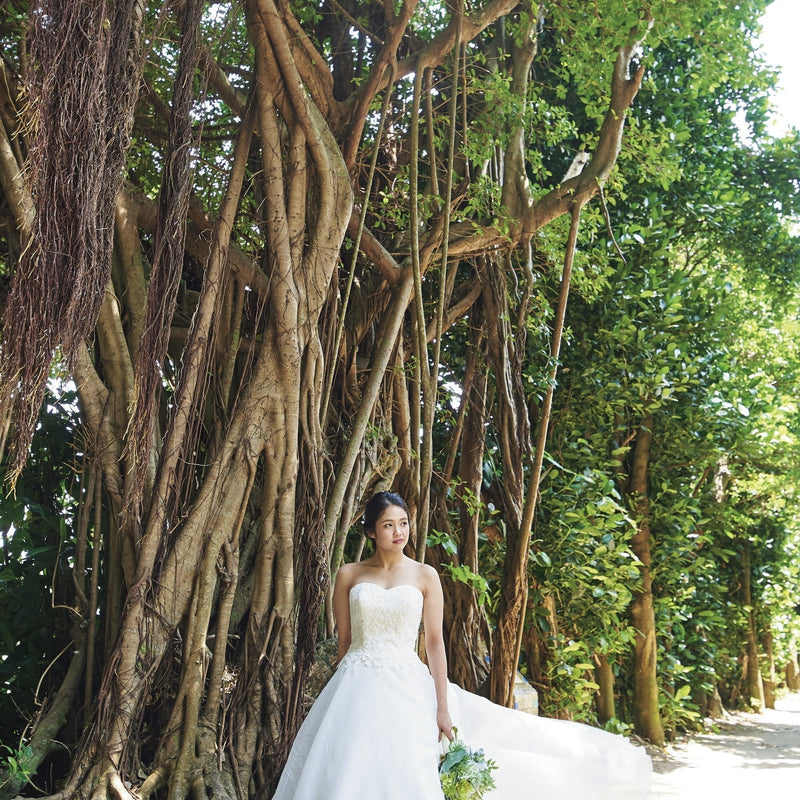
<point>465,774</point>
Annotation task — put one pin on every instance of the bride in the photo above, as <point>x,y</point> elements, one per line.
<point>374,732</point>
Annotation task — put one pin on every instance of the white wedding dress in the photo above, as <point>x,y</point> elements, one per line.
<point>372,735</point>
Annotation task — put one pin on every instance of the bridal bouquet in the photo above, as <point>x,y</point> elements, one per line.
<point>465,774</point>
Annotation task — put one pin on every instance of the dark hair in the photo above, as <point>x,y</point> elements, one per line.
<point>377,504</point>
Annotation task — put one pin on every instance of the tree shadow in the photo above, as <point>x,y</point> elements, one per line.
<point>767,741</point>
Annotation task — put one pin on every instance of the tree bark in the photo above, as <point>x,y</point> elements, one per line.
<point>792,672</point>
<point>770,682</point>
<point>646,715</point>
<point>466,627</point>
<point>604,677</point>
<point>754,682</point>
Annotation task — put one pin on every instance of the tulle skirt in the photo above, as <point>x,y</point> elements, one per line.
<point>371,735</point>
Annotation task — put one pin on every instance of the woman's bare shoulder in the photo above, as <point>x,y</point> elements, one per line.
<point>347,575</point>
<point>428,577</point>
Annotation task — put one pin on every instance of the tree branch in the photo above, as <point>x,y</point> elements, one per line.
<point>469,239</point>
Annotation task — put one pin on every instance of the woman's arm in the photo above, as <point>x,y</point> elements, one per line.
<point>341,607</point>
<point>434,648</point>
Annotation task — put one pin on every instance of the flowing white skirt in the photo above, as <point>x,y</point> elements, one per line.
<point>371,735</point>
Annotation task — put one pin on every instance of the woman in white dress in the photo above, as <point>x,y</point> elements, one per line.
<point>374,732</point>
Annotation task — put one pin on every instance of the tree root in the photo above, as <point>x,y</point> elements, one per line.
<point>99,782</point>
<point>206,782</point>
<point>211,783</point>
<point>104,782</point>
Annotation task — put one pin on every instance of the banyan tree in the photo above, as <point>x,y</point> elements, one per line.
<point>286,254</point>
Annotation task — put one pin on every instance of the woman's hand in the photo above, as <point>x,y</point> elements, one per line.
<point>445,724</point>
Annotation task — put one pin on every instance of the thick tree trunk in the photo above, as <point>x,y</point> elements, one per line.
<point>792,672</point>
<point>646,716</point>
<point>752,670</point>
<point>715,707</point>
<point>604,677</point>
<point>771,680</point>
<point>515,446</point>
<point>538,651</point>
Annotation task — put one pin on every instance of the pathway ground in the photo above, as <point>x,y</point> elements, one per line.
<point>752,756</point>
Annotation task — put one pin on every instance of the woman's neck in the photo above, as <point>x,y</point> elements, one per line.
<point>388,561</point>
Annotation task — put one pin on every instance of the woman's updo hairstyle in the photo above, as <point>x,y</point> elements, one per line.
<point>377,504</point>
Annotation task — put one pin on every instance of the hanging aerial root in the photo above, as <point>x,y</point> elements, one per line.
<point>85,74</point>
<point>176,187</point>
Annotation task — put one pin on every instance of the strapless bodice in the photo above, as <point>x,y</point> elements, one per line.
<point>384,624</point>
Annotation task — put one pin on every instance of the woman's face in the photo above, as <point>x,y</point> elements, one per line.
<point>392,529</point>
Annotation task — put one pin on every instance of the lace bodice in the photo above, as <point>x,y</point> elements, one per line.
<point>384,624</point>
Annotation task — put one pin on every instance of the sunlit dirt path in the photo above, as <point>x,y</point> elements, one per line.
<point>753,756</point>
